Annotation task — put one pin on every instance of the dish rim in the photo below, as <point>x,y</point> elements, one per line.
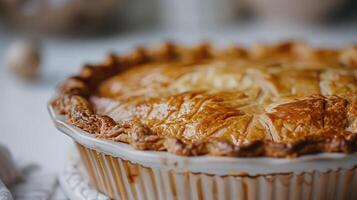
<point>215,165</point>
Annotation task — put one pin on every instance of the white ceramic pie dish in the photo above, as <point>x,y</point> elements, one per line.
<point>122,172</point>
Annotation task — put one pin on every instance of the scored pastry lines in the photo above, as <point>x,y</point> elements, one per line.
<point>266,122</point>
<point>250,78</point>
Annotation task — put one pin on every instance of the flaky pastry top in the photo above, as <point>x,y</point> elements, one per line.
<point>279,100</point>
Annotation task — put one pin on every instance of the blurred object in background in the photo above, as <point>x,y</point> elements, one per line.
<point>9,174</point>
<point>98,16</point>
<point>197,14</point>
<point>139,14</point>
<point>23,58</point>
<point>59,16</point>
<point>294,11</point>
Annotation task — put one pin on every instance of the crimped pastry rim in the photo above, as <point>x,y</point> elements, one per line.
<point>73,102</point>
<point>214,165</point>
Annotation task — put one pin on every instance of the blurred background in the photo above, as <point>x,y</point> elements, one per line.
<point>44,41</point>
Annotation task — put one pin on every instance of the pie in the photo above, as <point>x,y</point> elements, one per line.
<point>276,100</point>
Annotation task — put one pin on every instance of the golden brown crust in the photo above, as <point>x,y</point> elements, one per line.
<point>306,124</point>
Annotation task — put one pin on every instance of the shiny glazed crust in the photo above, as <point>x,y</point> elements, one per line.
<point>76,93</point>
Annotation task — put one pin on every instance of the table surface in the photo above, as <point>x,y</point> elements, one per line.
<point>25,126</point>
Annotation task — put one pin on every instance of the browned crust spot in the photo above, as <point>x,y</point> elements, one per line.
<point>74,104</point>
